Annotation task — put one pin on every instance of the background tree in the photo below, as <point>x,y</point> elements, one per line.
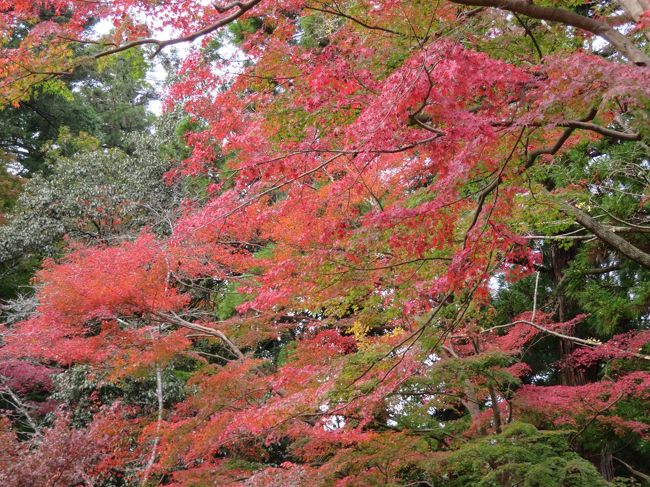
<point>107,101</point>
<point>411,251</point>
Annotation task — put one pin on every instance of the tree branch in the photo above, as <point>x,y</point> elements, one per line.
<point>640,475</point>
<point>576,340</point>
<point>532,157</point>
<point>606,235</point>
<point>174,319</point>
<point>485,192</point>
<point>570,236</point>
<point>530,34</point>
<point>594,417</point>
<point>362,23</point>
<point>616,134</point>
<point>156,441</point>
<point>20,406</point>
<point>554,14</point>
<point>242,8</point>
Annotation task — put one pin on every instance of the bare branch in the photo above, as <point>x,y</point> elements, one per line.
<point>555,14</point>
<point>362,23</point>
<point>576,340</point>
<point>242,8</point>
<point>20,406</point>
<point>606,235</point>
<point>156,441</point>
<point>616,134</point>
<point>174,319</point>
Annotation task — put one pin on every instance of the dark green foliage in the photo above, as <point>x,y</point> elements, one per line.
<point>520,456</point>
<point>240,28</point>
<point>108,101</point>
<point>26,130</point>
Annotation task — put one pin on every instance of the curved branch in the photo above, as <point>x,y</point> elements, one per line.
<point>174,319</point>
<point>362,23</point>
<point>599,129</point>
<point>242,7</point>
<point>554,14</point>
<point>485,192</point>
<point>606,235</point>
<point>532,157</point>
<point>576,340</point>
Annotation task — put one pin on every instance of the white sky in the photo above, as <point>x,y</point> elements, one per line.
<point>157,74</point>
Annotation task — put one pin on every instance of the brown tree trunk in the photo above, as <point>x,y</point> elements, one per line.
<point>560,260</point>
<point>471,403</point>
<point>496,414</point>
<point>606,465</point>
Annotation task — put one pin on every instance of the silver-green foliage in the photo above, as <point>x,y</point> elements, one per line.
<point>97,194</point>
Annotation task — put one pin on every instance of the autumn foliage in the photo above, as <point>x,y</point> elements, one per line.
<point>376,178</point>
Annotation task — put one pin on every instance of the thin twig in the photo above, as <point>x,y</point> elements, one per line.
<point>156,441</point>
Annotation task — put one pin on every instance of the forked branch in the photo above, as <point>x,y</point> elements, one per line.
<point>242,8</point>
<point>174,319</point>
<point>555,14</point>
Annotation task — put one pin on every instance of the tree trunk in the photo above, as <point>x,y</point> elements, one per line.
<point>606,465</point>
<point>496,414</point>
<point>471,403</point>
<point>560,260</point>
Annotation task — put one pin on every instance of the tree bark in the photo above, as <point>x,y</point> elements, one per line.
<point>606,464</point>
<point>636,8</point>
<point>554,14</point>
<point>156,441</point>
<point>610,238</point>
<point>496,414</point>
<point>560,260</point>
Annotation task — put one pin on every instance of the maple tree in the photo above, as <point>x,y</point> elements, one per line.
<point>412,251</point>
